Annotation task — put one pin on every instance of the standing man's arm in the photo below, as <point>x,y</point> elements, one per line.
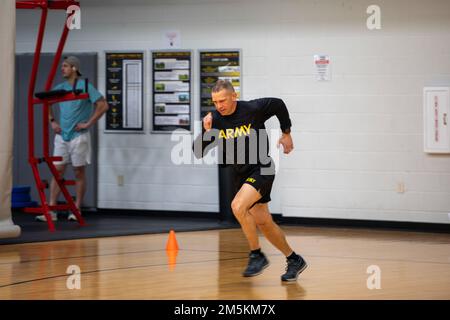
<point>51,117</point>
<point>270,107</point>
<point>55,125</point>
<point>101,106</point>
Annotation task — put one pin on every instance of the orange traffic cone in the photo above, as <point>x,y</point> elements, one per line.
<point>172,259</point>
<point>172,244</point>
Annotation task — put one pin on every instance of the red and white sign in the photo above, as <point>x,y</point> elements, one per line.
<point>436,108</point>
<point>322,66</point>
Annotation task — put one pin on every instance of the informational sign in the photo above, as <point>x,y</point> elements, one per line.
<point>171,90</point>
<point>124,91</point>
<point>322,66</point>
<point>215,65</point>
<point>436,123</point>
<point>172,39</point>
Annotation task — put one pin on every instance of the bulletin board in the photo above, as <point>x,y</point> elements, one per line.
<point>124,91</point>
<point>172,90</point>
<point>215,65</point>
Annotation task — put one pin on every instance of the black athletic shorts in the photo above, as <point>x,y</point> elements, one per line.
<point>261,182</point>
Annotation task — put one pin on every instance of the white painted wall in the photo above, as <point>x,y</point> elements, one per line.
<point>356,137</point>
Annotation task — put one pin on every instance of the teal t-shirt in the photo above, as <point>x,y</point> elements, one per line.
<point>75,111</point>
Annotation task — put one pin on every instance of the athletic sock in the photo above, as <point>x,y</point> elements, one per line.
<point>257,251</point>
<point>293,256</point>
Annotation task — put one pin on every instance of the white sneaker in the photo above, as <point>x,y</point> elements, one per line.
<point>42,217</point>
<point>72,217</point>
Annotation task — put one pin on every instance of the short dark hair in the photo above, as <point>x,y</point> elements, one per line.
<point>222,84</point>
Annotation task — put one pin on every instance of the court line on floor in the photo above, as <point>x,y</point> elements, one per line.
<point>115,269</point>
<point>204,261</point>
<point>111,254</point>
<point>226,251</point>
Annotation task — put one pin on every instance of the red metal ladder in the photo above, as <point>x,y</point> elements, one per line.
<point>33,160</point>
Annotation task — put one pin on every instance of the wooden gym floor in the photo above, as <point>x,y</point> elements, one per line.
<point>413,265</point>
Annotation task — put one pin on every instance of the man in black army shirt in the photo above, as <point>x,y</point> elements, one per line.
<point>238,128</point>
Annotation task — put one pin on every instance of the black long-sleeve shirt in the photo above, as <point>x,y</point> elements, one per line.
<point>242,136</point>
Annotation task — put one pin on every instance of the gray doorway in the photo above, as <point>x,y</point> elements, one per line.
<point>22,173</point>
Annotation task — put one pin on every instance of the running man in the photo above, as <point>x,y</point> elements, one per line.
<point>235,126</point>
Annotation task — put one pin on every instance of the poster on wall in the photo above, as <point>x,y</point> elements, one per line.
<point>322,66</point>
<point>172,39</point>
<point>215,65</point>
<point>124,91</point>
<point>171,90</point>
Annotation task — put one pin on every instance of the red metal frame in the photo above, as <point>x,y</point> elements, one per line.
<point>50,4</point>
<point>45,5</point>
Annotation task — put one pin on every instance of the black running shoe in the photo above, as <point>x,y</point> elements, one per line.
<point>257,262</point>
<point>293,268</point>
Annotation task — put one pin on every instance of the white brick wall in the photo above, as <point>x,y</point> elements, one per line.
<point>356,137</point>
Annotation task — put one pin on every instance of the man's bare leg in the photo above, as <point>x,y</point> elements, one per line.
<point>54,188</point>
<point>263,219</point>
<point>54,193</point>
<point>80,176</point>
<point>240,205</point>
<point>80,186</point>
<point>272,232</point>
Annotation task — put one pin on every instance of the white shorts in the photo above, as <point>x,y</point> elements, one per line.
<point>76,151</point>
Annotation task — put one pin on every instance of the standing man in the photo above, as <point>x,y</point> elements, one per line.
<point>235,126</point>
<point>72,138</point>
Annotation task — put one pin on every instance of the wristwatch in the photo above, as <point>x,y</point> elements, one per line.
<point>288,130</point>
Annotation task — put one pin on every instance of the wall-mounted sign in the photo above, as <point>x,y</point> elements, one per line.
<point>322,66</point>
<point>171,90</point>
<point>215,65</point>
<point>436,119</point>
<point>124,91</point>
